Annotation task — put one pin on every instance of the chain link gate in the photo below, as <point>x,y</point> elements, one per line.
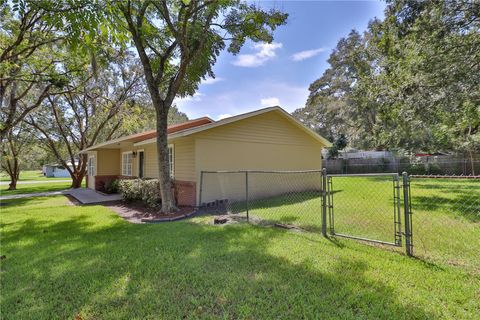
<point>365,207</point>
<point>368,207</point>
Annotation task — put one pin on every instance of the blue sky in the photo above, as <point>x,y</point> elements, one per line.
<point>264,75</point>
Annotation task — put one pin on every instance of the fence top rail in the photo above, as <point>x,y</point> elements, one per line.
<point>423,176</point>
<point>388,174</point>
<point>263,171</point>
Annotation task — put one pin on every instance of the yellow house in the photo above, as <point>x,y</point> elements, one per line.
<point>266,139</point>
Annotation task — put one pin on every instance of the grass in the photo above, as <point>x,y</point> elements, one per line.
<point>30,175</point>
<point>66,261</point>
<point>35,188</point>
<point>446,214</point>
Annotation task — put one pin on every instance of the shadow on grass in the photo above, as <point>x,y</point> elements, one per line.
<point>464,205</point>
<point>121,270</point>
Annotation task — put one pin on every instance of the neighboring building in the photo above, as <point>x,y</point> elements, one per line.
<point>266,139</point>
<point>56,171</point>
<point>351,153</point>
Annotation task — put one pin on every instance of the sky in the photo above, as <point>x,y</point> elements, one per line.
<point>264,75</point>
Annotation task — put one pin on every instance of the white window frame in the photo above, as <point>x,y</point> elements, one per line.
<point>138,162</point>
<point>125,173</point>
<point>91,166</point>
<point>171,160</point>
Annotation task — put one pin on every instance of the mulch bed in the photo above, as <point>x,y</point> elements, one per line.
<point>137,212</point>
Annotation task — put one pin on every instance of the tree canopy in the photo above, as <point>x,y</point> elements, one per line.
<point>408,82</point>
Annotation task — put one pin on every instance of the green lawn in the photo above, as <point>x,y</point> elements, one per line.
<point>66,261</point>
<point>34,188</point>
<point>30,175</point>
<point>446,214</point>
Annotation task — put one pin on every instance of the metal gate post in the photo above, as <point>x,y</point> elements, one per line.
<point>406,210</point>
<point>324,202</point>
<point>246,193</point>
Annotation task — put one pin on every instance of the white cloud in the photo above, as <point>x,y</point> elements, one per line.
<point>265,52</point>
<point>270,102</point>
<point>210,80</point>
<point>307,54</point>
<point>223,116</point>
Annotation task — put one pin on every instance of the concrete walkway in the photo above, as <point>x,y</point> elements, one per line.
<point>89,196</point>
<point>83,195</point>
<point>6,183</point>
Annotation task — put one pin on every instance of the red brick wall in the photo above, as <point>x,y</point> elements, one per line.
<point>185,193</point>
<point>100,181</point>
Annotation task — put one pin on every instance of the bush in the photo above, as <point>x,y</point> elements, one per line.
<point>130,189</point>
<point>111,186</point>
<point>424,169</point>
<point>151,192</point>
<point>148,191</point>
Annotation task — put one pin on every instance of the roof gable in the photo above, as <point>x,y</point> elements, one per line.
<point>278,110</point>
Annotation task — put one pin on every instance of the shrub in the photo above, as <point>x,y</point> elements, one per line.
<point>148,191</point>
<point>130,189</point>
<point>112,186</point>
<point>416,168</point>
<point>151,192</point>
<point>424,168</point>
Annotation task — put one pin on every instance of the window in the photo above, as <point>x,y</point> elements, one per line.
<point>171,159</point>
<point>91,166</point>
<point>127,163</point>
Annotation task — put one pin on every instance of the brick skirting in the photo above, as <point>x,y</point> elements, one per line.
<point>184,191</point>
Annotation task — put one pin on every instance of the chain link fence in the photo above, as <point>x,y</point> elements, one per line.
<point>446,220</point>
<point>436,219</point>
<point>289,198</point>
<point>365,207</point>
<point>425,166</point>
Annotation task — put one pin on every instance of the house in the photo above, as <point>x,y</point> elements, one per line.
<point>56,170</point>
<point>266,139</point>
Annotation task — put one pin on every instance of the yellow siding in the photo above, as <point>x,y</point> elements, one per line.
<point>265,142</point>
<point>107,162</point>
<point>184,162</point>
<point>270,127</point>
<point>184,159</point>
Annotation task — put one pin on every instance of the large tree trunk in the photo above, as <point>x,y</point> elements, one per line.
<point>77,180</point>
<point>472,162</point>
<point>14,173</point>
<point>168,201</point>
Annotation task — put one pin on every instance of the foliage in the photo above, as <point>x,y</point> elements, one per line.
<point>112,186</point>
<point>150,190</point>
<point>31,47</point>
<point>338,145</point>
<point>130,189</point>
<point>409,81</point>
<point>17,145</point>
<point>145,190</point>
<point>177,43</point>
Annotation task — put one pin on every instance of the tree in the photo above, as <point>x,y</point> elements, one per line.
<point>409,81</point>
<point>93,109</point>
<point>27,62</point>
<point>177,43</point>
<point>338,145</point>
<point>17,143</point>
